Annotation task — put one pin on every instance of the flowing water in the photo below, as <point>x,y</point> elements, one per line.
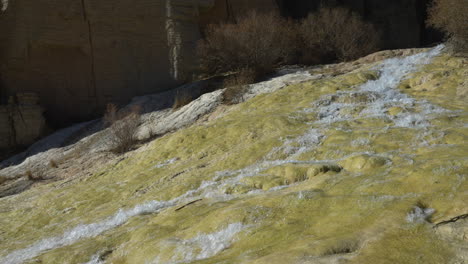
<point>373,99</point>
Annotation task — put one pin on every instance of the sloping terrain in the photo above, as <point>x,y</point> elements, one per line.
<point>364,162</point>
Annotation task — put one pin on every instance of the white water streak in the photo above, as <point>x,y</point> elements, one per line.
<point>204,246</point>
<point>419,215</point>
<point>382,94</point>
<point>166,163</point>
<point>96,259</point>
<point>84,231</point>
<point>393,72</point>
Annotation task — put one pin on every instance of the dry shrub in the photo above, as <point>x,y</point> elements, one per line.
<point>334,34</point>
<point>123,126</point>
<point>451,17</point>
<point>181,99</point>
<point>37,176</point>
<point>259,42</point>
<point>53,164</point>
<point>236,86</point>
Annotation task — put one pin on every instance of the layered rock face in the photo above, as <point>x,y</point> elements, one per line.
<point>80,55</point>
<point>21,121</point>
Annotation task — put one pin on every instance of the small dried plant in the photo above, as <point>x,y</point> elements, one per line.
<point>236,86</point>
<point>123,125</point>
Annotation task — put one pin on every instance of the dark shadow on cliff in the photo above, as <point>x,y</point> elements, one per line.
<point>58,139</point>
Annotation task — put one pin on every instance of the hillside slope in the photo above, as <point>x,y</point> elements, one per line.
<point>355,164</point>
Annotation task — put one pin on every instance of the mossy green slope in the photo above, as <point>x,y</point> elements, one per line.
<point>345,195</point>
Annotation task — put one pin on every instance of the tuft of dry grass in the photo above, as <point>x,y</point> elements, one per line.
<point>37,176</point>
<point>236,86</point>
<point>53,164</point>
<point>123,126</point>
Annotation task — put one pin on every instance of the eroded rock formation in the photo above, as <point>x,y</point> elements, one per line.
<point>80,55</point>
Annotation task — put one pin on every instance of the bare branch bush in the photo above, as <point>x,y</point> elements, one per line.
<point>123,126</point>
<point>336,34</point>
<point>236,86</point>
<point>258,42</point>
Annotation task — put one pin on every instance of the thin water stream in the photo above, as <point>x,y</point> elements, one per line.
<point>379,96</point>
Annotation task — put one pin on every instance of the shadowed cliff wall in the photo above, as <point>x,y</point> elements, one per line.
<point>79,55</point>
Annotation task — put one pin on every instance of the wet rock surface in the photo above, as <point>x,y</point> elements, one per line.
<point>331,168</point>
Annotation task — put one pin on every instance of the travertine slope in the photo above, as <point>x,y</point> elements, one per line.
<point>364,162</point>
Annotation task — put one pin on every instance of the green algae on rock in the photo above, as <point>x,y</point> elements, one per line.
<point>317,172</point>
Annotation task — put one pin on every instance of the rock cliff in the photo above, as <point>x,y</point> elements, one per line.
<point>80,55</point>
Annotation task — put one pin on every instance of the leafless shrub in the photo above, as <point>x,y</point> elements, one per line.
<point>181,99</point>
<point>36,176</point>
<point>123,126</point>
<point>53,164</point>
<point>236,86</point>
<point>258,42</point>
<point>336,34</point>
<point>451,17</point>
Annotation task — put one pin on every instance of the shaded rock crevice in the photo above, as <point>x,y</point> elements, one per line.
<point>21,121</point>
